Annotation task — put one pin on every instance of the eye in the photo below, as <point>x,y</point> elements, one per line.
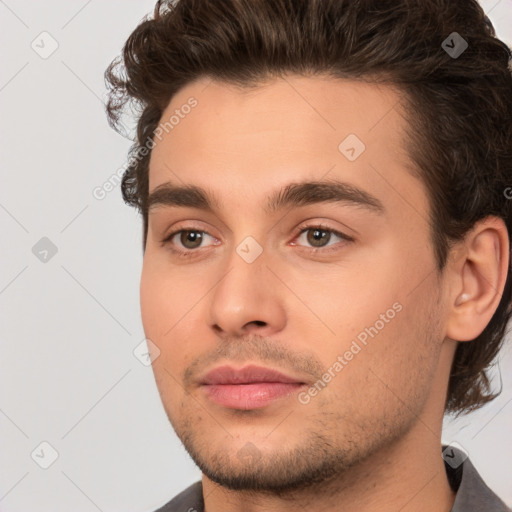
<point>320,236</point>
<point>188,239</point>
<point>188,242</point>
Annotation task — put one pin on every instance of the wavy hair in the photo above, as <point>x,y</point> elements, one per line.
<point>459,109</point>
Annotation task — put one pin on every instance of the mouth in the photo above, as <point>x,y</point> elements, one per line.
<point>250,387</point>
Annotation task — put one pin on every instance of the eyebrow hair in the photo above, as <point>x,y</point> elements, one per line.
<point>293,194</point>
<point>326,191</point>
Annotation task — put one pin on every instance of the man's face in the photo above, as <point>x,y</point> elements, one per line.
<point>355,321</point>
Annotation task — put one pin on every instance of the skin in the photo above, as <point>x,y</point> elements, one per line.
<point>370,439</point>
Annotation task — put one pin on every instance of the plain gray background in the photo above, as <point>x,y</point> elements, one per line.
<point>69,321</point>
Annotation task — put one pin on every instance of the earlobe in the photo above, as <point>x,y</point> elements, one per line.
<point>480,275</point>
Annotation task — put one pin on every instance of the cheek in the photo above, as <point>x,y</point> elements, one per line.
<point>383,327</point>
<point>153,308</point>
<point>386,370</point>
<point>169,310</point>
<point>164,298</point>
<point>350,298</point>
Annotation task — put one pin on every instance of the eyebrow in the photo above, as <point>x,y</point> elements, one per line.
<point>293,194</point>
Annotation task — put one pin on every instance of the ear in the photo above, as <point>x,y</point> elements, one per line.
<point>478,271</point>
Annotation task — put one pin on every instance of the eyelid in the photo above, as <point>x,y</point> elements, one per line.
<point>306,226</point>
<point>178,229</point>
<point>186,225</point>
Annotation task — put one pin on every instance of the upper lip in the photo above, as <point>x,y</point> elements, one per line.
<point>246,375</point>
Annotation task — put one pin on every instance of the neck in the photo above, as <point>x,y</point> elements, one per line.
<point>408,476</point>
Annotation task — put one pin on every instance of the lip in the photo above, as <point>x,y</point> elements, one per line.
<point>246,375</point>
<point>250,387</point>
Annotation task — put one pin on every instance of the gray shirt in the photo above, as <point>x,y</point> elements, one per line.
<point>473,495</point>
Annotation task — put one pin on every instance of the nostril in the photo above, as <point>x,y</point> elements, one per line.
<point>258,323</point>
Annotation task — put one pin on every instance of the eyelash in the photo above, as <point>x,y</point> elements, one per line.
<point>300,230</point>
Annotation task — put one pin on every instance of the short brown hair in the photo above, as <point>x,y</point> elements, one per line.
<point>459,107</point>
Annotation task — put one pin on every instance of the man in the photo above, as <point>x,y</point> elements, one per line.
<point>324,187</point>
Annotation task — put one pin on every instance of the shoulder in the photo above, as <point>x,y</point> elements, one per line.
<point>189,500</point>
<point>473,494</point>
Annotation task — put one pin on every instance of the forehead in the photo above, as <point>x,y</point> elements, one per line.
<point>251,141</point>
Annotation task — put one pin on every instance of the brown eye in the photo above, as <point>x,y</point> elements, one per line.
<point>191,239</point>
<point>187,242</point>
<point>321,237</point>
<point>318,237</point>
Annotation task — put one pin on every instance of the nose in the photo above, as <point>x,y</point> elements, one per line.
<point>247,299</point>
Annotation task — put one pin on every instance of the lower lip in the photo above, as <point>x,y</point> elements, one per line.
<point>249,396</point>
